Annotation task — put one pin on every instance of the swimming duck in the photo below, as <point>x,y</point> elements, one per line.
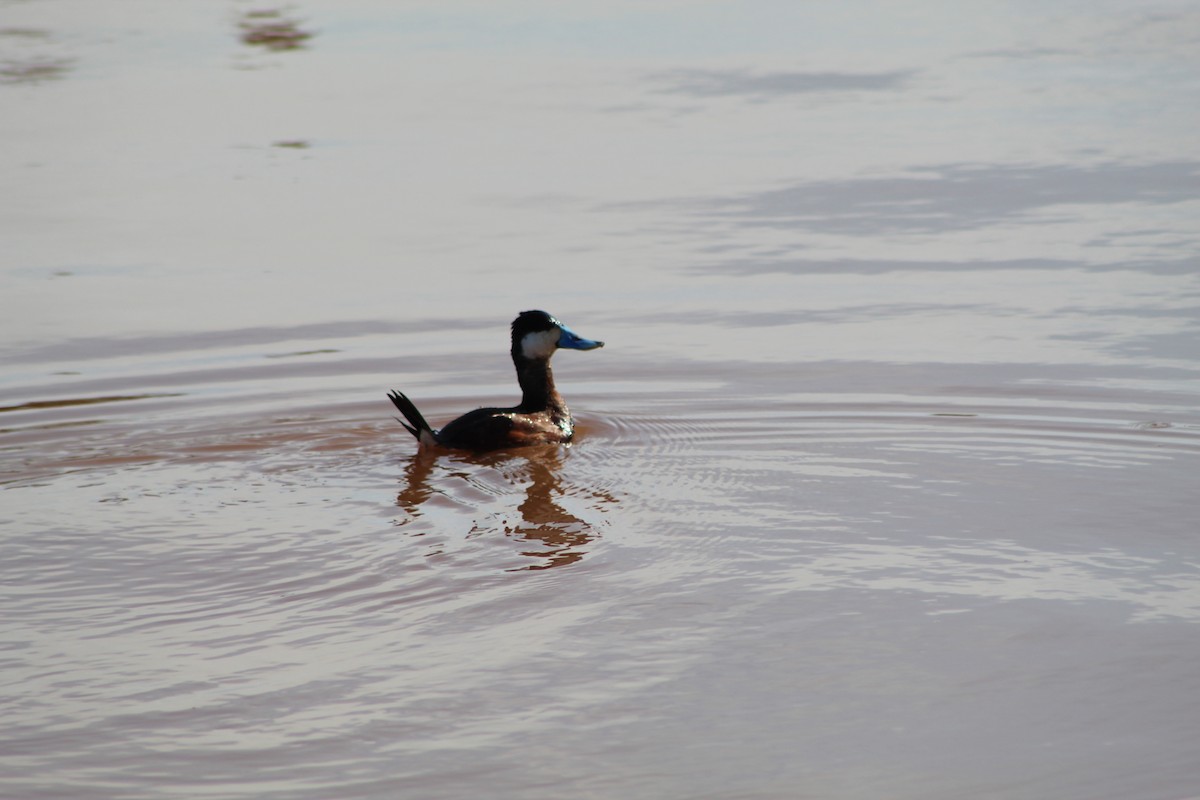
<point>541,418</point>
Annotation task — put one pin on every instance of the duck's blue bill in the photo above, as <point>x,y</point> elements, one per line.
<point>571,340</point>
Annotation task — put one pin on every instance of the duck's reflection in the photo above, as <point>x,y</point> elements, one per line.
<point>560,536</point>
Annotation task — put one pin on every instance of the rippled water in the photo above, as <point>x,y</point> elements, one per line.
<point>886,482</point>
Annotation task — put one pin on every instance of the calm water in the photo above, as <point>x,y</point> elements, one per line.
<point>887,482</point>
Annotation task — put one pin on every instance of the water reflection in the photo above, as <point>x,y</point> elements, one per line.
<point>760,86</point>
<point>35,405</point>
<point>33,67</point>
<point>272,29</point>
<point>557,535</point>
<point>33,70</point>
<point>954,197</point>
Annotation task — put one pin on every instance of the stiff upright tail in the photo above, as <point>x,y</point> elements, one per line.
<point>416,424</point>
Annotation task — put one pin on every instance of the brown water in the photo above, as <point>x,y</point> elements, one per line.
<point>886,482</point>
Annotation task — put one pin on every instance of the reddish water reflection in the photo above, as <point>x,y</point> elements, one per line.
<point>560,535</point>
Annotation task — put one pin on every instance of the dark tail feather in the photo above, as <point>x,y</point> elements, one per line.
<point>416,425</point>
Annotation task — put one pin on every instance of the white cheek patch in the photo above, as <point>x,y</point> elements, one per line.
<point>540,344</point>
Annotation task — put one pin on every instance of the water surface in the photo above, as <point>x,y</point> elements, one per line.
<point>885,483</point>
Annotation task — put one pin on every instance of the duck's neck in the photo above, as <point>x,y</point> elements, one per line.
<point>537,387</point>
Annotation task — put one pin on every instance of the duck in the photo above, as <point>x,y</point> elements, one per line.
<point>542,417</point>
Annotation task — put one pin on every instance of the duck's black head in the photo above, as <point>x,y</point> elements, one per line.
<point>536,335</point>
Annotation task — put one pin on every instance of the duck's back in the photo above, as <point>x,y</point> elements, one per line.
<point>493,428</point>
<point>481,429</point>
